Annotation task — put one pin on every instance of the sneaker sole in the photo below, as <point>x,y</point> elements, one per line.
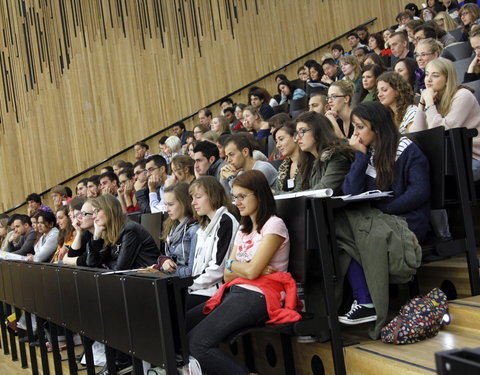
<point>352,322</point>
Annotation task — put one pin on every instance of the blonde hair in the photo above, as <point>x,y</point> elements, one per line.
<point>225,128</point>
<point>210,136</point>
<point>116,219</point>
<point>446,68</point>
<point>434,45</point>
<point>357,69</point>
<point>448,23</point>
<point>346,87</point>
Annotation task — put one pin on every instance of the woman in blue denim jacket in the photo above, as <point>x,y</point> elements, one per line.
<point>180,232</point>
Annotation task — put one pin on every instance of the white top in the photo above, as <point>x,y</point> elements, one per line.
<point>407,118</point>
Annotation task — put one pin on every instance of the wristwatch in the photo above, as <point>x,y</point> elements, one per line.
<point>229,264</point>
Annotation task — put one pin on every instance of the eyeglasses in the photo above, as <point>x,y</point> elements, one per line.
<point>301,133</point>
<point>138,173</point>
<point>333,97</point>
<point>151,169</point>
<point>241,197</point>
<point>422,55</point>
<point>83,214</point>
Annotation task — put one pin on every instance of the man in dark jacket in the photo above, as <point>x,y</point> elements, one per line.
<point>23,239</point>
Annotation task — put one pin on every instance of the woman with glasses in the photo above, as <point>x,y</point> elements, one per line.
<point>118,244</point>
<point>339,101</point>
<point>469,16</point>
<point>396,93</point>
<point>199,130</point>
<point>444,103</point>
<point>256,277</point>
<point>218,225</point>
<point>328,157</point>
<point>473,71</point>
<point>425,51</point>
<point>179,232</point>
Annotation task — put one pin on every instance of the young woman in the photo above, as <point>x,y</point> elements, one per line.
<point>118,244</point>
<point>179,232</point>
<point>65,235</point>
<point>215,237</point>
<point>387,161</point>
<point>5,233</point>
<point>374,59</point>
<point>436,5</point>
<point>376,44</point>
<point>330,157</point>
<point>473,71</point>
<point>288,92</point>
<point>182,167</point>
<point>199,130</point>
<point>425,51</point>
<point>370,74</point>
<point>258,263</point>
<point>427,14</point>
<point>452,8</point>
<point>220,125</point>
<point>444,103</point>
<point>253,122</point>
<point>352,70</point>
<point>407,69</point>
<point>395,93</point>
<point>315,72</point>
<point>469,16</point>
<point>289,171</point>
<point>47,243</point>
<point>445,22</point>
<point>340,95</point>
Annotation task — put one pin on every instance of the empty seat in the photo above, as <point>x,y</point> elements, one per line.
<point>457,34</point>
<point>458,50</point>
<point>298,106</point>
<point>461,66</point>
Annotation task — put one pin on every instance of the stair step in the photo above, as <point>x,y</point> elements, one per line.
<point>465,314</point>
<point>378,358</point>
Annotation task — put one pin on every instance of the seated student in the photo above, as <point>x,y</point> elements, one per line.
<point>331,71</point>
<point>315,72</point>
<point>220,125</point>
<point>376,44</point>
<point>360,54</point>
<point>181,132</point>
<point>473,71</point>
<point>5,233</point>
<point>34,203</point>
<point>207,160</point>
<point>179,232</point>
<point>24,237</point>
<point>352,70</point>
<point>126,194</point>
<point>469,16</point>
<point>173,146</point>
<point>318,103</point>
<point>109,183</point>
<point>59,196</point>
<point>66,234</point>
<point>337,52</point>
<point>118,244</point>
<point>140,150</point>
<point>370,73</point>
<point>183,170</point>
<point>156,168</point>
<point>93,184</point>
<point>82,213</point>
<point>425,51</point>
<point>397,94</point>
<point>258,100</point>
<point>387,161</point>
<point>233,122</point>
<point>288,92</point>
<point>329,156</point>
<point>120,164</point>
<point>81,188</point>
<point>444,103</point>
<point>340,95</point>
<point>218,226</point>
<point>398,43</point>
<point>289,171</point>
<point>256,274</point>
<point>239,152</point>
<point>445,22</point>
<point>47,243</point>
<point>354,42</point>
<point>374,59</point>
<point>106,169</point>
<point>408,69</point>
<point>252,119</point>
<point>452,8</point>
<point>199,130</point>
<point>141,186</point>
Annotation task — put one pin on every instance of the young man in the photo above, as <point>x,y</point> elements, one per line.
<point>141,151</point>
<point>93,183</point>
<point>180,131</point>
<point>331,70</point>
<point>109,183</point>
<point>354,42</point>
<point>239,153</point>
<point>363,34</point>
<point>24,237</point>
<point>207,160</point>
<point>398,42</point>
<point>59,196</point>
<point>257,100</point>
<point>337,52</point>
<point>157,175</point>
<point>318,103</point>
<point>34,203</point>
<point>81,190</point>
<point>141,186</point>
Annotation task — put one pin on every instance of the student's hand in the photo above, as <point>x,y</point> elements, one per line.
<point>169,266</point>
<point>429,96</point>
<point>331,113</point>
<point>327,79</point>
<point>356,144</point>
<point>170,181</point>
<point>61,254</point>
<point>153,183</point>
<point>98,231</point>
<point>475,62</point>
<point>29,257</point>
<point>128,186</point>
<point>138,185</point>
<point>121,190</point>
<point>107,190</point>
<point>14,237</point>
<point>228,171</point>
<point>269,270</point>
<point>76,225</point>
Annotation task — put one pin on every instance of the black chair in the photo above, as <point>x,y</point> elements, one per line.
<point>153,223</point>
<point>475,85</point>
<point>298,106</point>
<point>459,50</point>
<point>282,108</point>
<point>461,67</point>
<point>450,156</point>
<point>457,34</point>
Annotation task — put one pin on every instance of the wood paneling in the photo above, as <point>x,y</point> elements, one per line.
<point>83,79</point>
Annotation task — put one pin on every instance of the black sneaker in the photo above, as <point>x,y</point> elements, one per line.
<point>358,314</point>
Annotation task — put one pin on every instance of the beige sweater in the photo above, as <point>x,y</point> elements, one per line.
<point>465,113</point>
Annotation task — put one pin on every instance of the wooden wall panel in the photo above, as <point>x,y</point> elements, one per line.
<point>83,79</point>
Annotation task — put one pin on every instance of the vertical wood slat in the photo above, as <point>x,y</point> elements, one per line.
<point>83,79</point>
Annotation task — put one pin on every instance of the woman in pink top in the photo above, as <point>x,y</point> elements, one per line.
<point>261,248</point>
<point>444,103</point>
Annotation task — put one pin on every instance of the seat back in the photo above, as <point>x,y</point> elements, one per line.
<point>153,223</point>
<point>432,144</point>
<point>459,50</point>
<point>461,67</point>
<point>475,85</point>
<point>457,34</point>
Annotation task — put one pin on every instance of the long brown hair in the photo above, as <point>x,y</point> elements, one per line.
<point>180,190</point>
<point>116,219</point>
<point>404,91</point>
<point>65,234</point>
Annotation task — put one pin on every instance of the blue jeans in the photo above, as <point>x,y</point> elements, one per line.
<point>240,308</point>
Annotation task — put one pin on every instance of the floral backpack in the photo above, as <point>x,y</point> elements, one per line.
<point>419,319</point>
